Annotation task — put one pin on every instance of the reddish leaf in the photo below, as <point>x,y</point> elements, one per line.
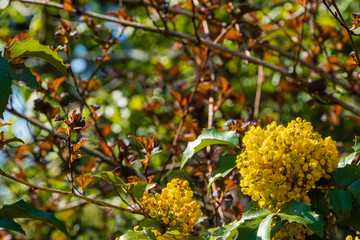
<point>68,5</point>
<point>83,181</point>
<point>54,85</point>
<point>79,144</point>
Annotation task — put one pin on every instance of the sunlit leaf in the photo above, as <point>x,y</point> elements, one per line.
<point>209,137</point>
<point>32,48</point>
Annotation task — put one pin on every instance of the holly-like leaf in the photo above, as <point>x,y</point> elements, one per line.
<point>265,228</point>
<point>5,84</point>
<point>347,175</point>
<point>22,209</point>
<point>346,160</point>
<point>9,223</point>
<point>340,201</point>
<point>223,167</point>
<point>248,225</point>
<point>209,137</point>
<point>21,73</point>
<point>32,48</point>
<point>294,211</point>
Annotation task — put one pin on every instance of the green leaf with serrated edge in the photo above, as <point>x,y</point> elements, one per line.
<point>302,213</point>
<point>108,176</point>
<point>32,48</point>
<point>347,175</point>
<point>265,228</point>
<point>22,209</point>
<point>132,235</point>
<point>248,229</point>
<point>8,223</point>
<point>340,201</point>
<point>21,73</point>
<point>356,147</point>
<point>5,84</point>
<point>223,167</point>
<point>253,214</point>
<point>219,233</point>
<point>354,188</point>
<point>346,160</point>
<point>209,137</point>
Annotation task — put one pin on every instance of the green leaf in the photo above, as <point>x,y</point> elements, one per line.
<point>5,84</point>
<point>354,188</point>
<point>8,223</point>
<point>132,235</point>
<point>21,73</point>
<point>319,202</point>
<point>140,187</point>
<point>248,230</point>
<point>341,202</point>
<point>22,209</point>
<point>265,228</point>
<point>107,176</point>
<point>209,137</point>
<point>347,175</point>
<point>294,211</point>
<point>346,160</point>
<point>354,220</point>
<point>32,48</point>
<point>223,167</point>
<point>152,223</point>
<point>356,147</point>
<point>219,233</point>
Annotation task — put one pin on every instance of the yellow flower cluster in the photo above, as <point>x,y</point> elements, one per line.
<point>283,163</point>
<point>351,238</point>
<point>174,207</point>
<point>292,231</point>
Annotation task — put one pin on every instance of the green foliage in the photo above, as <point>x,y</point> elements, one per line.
<point>22,209</point>
<point>32,48</point>
<point>209,137</point>
<point>5,84</point>
<point>225,165</point>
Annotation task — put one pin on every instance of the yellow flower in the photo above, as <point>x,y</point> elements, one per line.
<point>174,207</point>
<point>294,231</point>
<point>283,163</point>
<point>351,238</point>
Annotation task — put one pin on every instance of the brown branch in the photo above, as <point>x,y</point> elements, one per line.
<point>54,133</point>
<point>90,200</point>
<point>195,40</point>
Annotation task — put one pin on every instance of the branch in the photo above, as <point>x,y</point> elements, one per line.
<point>54,133</point>
<point>195,41</point>
<point>90,200</point>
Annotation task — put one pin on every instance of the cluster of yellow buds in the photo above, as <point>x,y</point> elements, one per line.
<point>292,231</point>
<point>283,163</point>
<point>351,238</point>
<point>174,207</point>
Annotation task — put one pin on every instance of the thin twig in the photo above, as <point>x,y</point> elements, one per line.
<point>90,200</point>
